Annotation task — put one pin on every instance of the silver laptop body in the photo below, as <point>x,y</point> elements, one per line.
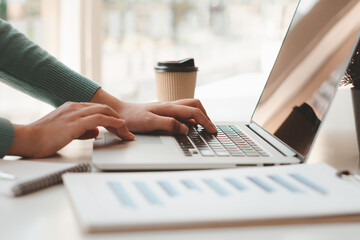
<point>311,62</point>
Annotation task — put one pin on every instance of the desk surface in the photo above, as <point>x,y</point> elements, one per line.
<point>48,214</point>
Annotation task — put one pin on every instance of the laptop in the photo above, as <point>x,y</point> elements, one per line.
<point>299,90</point>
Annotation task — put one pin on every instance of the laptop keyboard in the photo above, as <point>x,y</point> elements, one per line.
<point>229,141</point>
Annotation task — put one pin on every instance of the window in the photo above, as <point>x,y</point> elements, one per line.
<point>226,38</point>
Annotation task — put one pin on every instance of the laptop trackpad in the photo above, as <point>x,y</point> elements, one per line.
<point>139,139</point>
<point>148,139</point>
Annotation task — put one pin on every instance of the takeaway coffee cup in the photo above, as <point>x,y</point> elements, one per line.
<point>175,79</point>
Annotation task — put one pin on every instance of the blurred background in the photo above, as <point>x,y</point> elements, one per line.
<point>117,42</point>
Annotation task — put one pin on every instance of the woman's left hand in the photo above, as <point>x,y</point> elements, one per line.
<point>166,116</point>
<point>158,116</point>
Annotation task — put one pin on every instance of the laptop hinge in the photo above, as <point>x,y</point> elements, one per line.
<point>276,143</point>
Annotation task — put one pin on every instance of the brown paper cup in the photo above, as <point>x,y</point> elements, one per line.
<point>173,86</point>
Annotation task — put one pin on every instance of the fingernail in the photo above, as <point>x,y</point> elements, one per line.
<point>214,127</point>
<point>132,136</point>
<point>185,130</point>
<point>129,137</point>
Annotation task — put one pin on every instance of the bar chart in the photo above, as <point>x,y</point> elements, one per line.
<point>221,187</point>
<point>187,198</point>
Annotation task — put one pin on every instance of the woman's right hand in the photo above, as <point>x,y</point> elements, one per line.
<point>66,123</point>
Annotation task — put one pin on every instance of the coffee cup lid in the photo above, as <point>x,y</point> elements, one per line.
<point>184,65</point>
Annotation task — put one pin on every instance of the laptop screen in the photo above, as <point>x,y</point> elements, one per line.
<point>307,71</point>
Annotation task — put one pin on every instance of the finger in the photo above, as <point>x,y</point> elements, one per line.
<point>116,132</point>
<point>93,133</point>
<point>192,103</point>
<point>92,108</point>
<point>119,126</point>
<point>185,112</point>
<point>76,110</point>
<point>168,124</point>
<point>191,122</point>
<point>75,105</point>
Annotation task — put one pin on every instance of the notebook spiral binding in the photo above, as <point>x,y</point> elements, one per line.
<point>347,175</point>
<point>48,180</point>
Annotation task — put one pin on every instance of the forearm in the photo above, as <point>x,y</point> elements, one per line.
<point>6,136</point>
<point>27,67</point>
<point>15,139</point>
<point>105,98</point>
<point>21,144</point>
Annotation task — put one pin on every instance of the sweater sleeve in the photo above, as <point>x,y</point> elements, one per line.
<point>30,69</point>
<point>6,136</point>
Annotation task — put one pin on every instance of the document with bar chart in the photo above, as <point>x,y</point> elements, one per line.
<point>127,201</point>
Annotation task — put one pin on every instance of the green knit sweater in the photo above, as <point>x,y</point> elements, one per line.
<point>30,69</point>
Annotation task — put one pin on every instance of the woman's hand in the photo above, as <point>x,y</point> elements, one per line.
<point>80,121</point>
<point>66,123</point>
<point>168,116</point>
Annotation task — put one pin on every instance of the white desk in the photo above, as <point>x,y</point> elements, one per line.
<point>48,215</point>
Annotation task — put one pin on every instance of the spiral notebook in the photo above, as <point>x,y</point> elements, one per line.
<point>188,199</point>
<point>32,176</point>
